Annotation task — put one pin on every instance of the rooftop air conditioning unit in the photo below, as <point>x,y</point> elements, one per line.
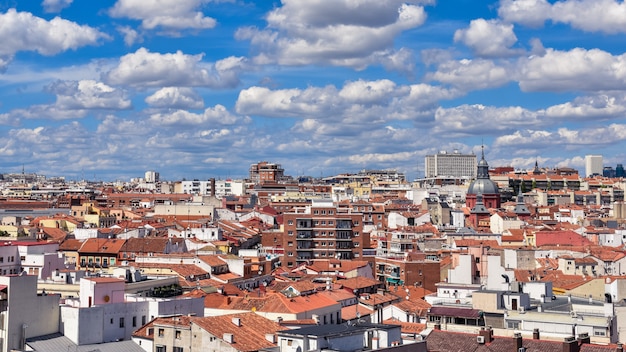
<point>480,339</point>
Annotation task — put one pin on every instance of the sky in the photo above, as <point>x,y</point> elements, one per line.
<point>106,90</point>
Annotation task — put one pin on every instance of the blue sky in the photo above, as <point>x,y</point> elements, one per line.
<point>200,88</point>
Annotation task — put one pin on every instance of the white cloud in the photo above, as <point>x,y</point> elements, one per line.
<point>170,15</point>
<point>489,38</point>
<point>55,5</point>
<point>217,115</point>
<point>564,137</point>
<point>531,13</point>
<point>145,69</point>
<point>131,36</point>
<point>607,16</point>
<point>483,120</point>
<point>471,74</point>
<point>286,102</point>
<point>358,101</point>
<point>368,92</point>
<point>176,98</point>
<point>576,69</point>
<point>602,106</point>
<point>21,31</point>
<point>88,94</point>
<point>354,34</point>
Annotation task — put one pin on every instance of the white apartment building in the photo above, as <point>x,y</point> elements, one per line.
<point>204,187</point>
<point>455,164</point>
<point>24,313</point>
<point>104,313</point>
<point>593,165</point>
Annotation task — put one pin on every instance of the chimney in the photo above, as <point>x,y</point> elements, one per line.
<point>236,321</point>
<point>487,334</point>
<point>437,327</point>
<point>570,344</point>
<point>212,187</point>
<point>536,334</point>
<point>620,347</point>
<point>518,340</point>
<point>229,338</point>
<point>271,338</point>
<point>584,338</point>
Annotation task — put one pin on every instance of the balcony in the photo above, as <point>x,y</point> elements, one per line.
<point>304,235</point>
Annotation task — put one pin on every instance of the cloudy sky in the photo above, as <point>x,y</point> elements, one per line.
<point>203,88</point>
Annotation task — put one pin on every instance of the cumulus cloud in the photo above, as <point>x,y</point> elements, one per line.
<point>607,16</point>
<point>489,38</point>
<point>146,69</point>
<point>55,5</point>
<point>176,98</point>
<point>286,102</point>
<point>576,69</point>
<point>481,120</point>
<point>354,34</point>
<point>169,15</point>
<point>21,31</point>
<point>131,36</point>
<point>565,137</point>
<point>212,115</point>
<point>356,102</point>
<point>470,75</point>
<point>88,94</point>
<point>531,13</point>
<point>599,106</point>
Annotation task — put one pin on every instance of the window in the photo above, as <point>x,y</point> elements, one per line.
<point>290,233</point>
<point>161,349</point>
<point>161,332</point>
<point>134,321</point>
<point>290,222</point>
<point>121,322</point>
<point>513,324</point>
<point>177,334</point>
<point>599,332</point>
<point>177,349</point>
<point>143,320</point>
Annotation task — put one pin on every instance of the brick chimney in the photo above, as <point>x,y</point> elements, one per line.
<point>584,338</point>
<point>487,333</point>
<point>570,344</point>
<point>518,340</point>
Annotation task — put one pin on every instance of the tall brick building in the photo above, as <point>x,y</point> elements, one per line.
<point>322,231</point>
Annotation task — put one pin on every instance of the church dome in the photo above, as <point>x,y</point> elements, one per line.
<point>483,186</point>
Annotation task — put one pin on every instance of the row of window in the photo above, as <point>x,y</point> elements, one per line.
<point>10,259</point>
<point>164,349</point>
<point>123,323</point>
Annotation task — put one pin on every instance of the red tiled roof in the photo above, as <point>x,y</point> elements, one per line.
<point>249,335</point>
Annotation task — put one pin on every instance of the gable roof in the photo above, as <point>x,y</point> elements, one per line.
<point>248,335</point>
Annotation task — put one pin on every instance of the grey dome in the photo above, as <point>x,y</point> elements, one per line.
<point>483,186</point>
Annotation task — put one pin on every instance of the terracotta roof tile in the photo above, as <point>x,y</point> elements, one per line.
<point>248,335</point>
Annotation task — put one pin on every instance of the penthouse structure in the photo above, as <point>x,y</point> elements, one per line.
<point>264,171</point>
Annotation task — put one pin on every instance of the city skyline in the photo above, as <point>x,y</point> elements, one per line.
<point>206,88</point>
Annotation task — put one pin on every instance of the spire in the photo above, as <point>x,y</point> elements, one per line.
<point>483,167</point>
